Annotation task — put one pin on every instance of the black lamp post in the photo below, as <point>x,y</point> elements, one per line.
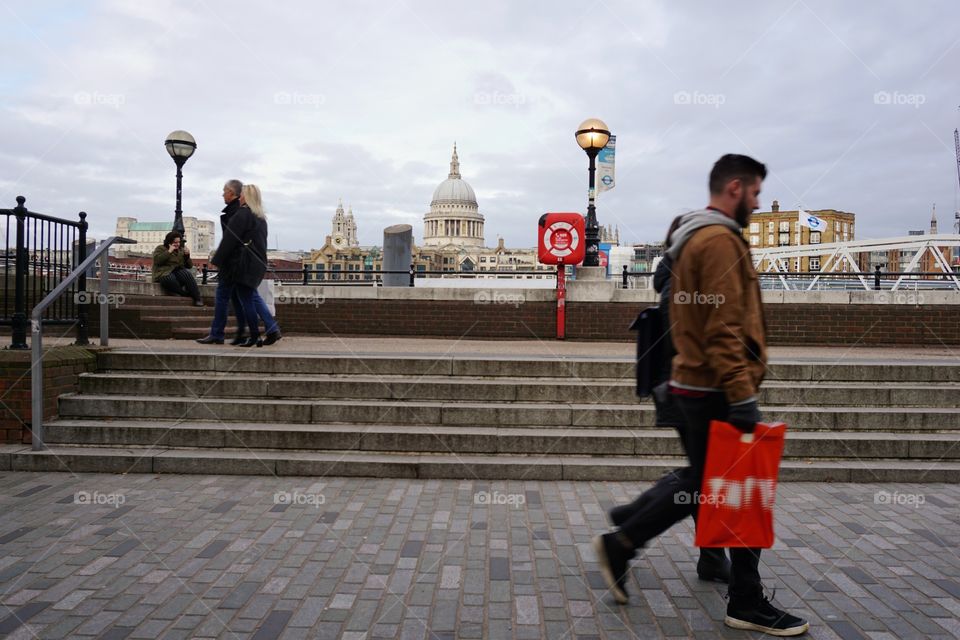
<point>180,145</point>
<point>592,135</point>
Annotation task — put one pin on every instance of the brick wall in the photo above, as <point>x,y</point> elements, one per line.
<point>787,324</point>
<point>452,318</point>
<point>61,368</point>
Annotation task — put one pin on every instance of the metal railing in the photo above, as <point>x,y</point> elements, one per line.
<point>371,277</point>
<point>36,329</point>
<point>833,280</point>
<point>44,250</point>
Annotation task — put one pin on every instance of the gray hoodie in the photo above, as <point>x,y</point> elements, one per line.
<point>697,220</point>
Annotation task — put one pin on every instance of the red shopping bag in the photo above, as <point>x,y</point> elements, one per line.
<point>739,486</point>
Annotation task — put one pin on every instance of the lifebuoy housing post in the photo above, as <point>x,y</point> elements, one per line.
<point>560,241</point>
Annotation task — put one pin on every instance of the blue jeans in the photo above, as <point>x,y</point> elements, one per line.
<point>269,322</point>
<point>248,309</point>
<point>221,300</point>
<point>227,293</point>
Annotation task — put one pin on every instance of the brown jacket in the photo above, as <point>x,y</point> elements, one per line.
<point>719,331</point>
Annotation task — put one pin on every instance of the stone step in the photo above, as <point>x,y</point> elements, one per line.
<point>277,360</point>
<point>473,414</point>
<point>459,440</point>
<point>194,319</point>
<point>172,313</point>
<point>434,466</point>
<point>502,389</point>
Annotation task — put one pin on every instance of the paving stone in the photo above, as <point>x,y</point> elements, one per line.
<point>414,554</point>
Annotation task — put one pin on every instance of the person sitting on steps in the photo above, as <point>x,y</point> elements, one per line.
<point>172,268</point>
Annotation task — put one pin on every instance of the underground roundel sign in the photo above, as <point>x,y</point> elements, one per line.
<point>561,238</point>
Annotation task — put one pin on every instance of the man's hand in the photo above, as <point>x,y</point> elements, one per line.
<point>744,416</point>
<point>186,251</point>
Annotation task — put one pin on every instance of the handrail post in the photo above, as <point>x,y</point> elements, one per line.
<point>412,274</point>
<point>36,386</point>
<point>204,277</point>
<point>82,283</point>
<point>305,272</point>
<point>19,329</point>
<point>624,276</point>
<point>104,297</point>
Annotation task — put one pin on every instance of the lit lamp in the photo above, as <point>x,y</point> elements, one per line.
<point>592,135</point>
<point>180,145</point>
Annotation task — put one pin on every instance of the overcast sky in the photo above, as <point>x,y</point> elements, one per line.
<point>851,105</point>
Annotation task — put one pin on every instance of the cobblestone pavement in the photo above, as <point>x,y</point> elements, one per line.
<point>145,556</point>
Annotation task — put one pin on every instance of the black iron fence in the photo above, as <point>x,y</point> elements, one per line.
<point>372,277</point>
<point>39,252</point>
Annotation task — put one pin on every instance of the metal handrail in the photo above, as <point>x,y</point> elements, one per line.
<point>36,330</point>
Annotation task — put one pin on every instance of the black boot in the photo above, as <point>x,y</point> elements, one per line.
<point>713,565</point>
<point>252,341</point>
<point>240,339</point>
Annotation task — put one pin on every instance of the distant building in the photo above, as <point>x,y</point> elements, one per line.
<point>899,260</point>
<point>200,236</point>
<point>776,228</point>
<point>453,241</point>
<point>454,219</point>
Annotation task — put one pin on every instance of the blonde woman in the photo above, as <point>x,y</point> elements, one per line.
<point>242,260</point>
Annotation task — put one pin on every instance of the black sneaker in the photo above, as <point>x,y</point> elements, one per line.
<point>766,618</point>
<point>614,560</point>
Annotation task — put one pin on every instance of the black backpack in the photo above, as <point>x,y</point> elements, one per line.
<point>650,346</point>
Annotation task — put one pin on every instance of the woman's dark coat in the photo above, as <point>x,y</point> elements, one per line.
<point>245,234</point>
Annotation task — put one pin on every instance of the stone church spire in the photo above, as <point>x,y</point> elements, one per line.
<point>933,221</point>
<point>454,164</point>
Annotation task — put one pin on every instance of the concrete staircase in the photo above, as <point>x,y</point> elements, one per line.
<point>158,316</point>
<point>230,411</point>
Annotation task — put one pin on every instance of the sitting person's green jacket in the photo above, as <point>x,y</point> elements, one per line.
<point>165,262</point>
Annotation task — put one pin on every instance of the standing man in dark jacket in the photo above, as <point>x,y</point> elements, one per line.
<point>719,335</point>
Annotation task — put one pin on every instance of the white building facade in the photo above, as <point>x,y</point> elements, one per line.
<point>200,236</point>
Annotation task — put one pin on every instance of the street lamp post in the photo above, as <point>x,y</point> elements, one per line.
<point>592,135</point>
<point>180,145</point>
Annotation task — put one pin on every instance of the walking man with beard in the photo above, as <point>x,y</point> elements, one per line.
<point>719,336</point>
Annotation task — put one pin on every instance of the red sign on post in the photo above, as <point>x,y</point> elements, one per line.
<point>561,238</point>
<point>560,241</point>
